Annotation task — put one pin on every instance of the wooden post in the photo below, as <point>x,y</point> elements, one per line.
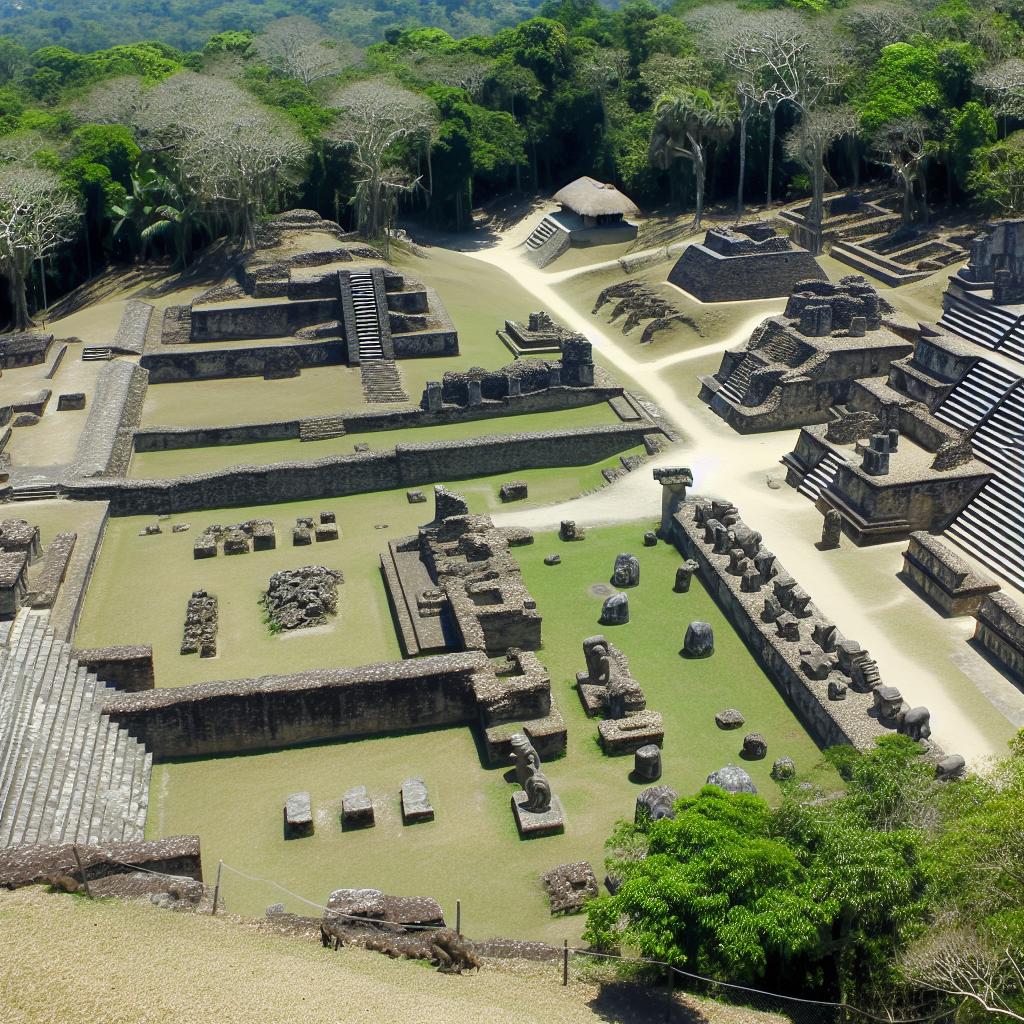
<point>565,962</point>
<point>458,917</point>
<point>216,888</point>
<point>81,870</point>
<point>671,980</point>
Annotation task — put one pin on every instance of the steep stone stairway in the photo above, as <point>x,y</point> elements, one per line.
<point>381,380</point>
<point>67,772</point>
<point>983,323</point>
<point>978,391</point>
<point>541,233</point>
<point>735,385</point>
<point>97,353</point>
<point>818,478</point>
<point>991,527</point>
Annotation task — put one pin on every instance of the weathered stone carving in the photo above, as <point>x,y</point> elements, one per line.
<point>297,598</point>
<point>514,490</point>
<point>755,747</point>
<point>836,689</point>
<point>357,809</point>
<point>416,805</point>
<point>568,530</point>
<point>888,703</point>
<point>684,574</point>
<point>615,610</point>
<point>732,779</point>
<point>200,633</point>
<point>626,572</point>
<point>647,762</point>
<point>730,718</point>
<point>655,803</point>
<point>915,723</point>
<point>569,886</point>
<point>952,766</point>
<point>831,530</point>
<point>699,641</point>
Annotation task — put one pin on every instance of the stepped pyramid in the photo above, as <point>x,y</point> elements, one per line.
<point>68,774</point>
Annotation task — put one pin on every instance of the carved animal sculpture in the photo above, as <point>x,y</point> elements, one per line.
<point>915,723</point>
<point>525,758</point>
<point>538,792</point>
<point>865,675</point>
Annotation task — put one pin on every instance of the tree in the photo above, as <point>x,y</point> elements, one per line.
<point>996,178</point>
<point>376,117</point>
<point>37,216</point>
<point>808,144</point>
<point>298,48</point>
<point>234,155</point>
<point>904,83</point>
<point>815,895</point>
<point>902,147</point>
<point>686,126</point>
<point>1004,84</point>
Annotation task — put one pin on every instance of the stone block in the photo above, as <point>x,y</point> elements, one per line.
<point>569,531</point>
<point>356,809</point>
<point>264,537</point>
<point>514,490</point>
<point>730,718</point>
<point>621,736</point>
<point>301,535</point>
<point>787,626</point>
<point>552,559</point>
<point>569,886</point>
<point>650,539</point>
<point>615,610</point>
<point>326,531</point>
<point>415,497</point>
<point>647,763</point>
<point>783,769</point>
<point>205,546</point>
<point>732,779</point>
<point>236,542</point>
<point>416,805</point>
<point>837,689</point>
<point>532,824</point>
<point>73,400</point>
<point>298,816</point>
<point>327,517</point>
<point>684,575</point>
<point>655,803</point>
<point>699,641</point>
<point>755,747</point>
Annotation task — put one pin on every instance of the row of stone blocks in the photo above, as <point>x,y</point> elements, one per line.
<point>357,809</point>
<point>260,535</point>
<point>67,773</point>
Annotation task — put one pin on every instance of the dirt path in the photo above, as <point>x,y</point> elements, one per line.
<point>975,709</point>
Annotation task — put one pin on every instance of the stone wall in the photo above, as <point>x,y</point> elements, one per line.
<point>944,577</point>
<point>265,320</point>
<point>105,444</point>
<point>324,705</point>
<point>716,277</point>
<point>1000,632</point>
<point>158,439</point>
<point>189,364</point>
<point>337,476</point>
<point>131,331</point>
<point>829,722</point>
<point>128,668</point>
<point>35,863</point>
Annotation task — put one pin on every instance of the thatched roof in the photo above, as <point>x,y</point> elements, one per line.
<point>590,198</point>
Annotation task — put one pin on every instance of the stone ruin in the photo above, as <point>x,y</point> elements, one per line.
<point>748,261</point>
<point>638,301</point>
<point>457,578</point>
<point>798,366</point>
<point>607,688</point>
<point>200,633</point>
<point>997,260</point>
<point>300,598</point>
<point>476,386</point>
<point>237,539</point>
<point>569,886</point>
<point>539,333</point>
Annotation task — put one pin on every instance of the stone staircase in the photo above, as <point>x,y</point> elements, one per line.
<point>734,387</point>
<point>983,323</point>
<point>991,527</point>
<point>821,476</point>
<point>364,302</point>
<point>541,233</point>
<point>381,381</point>
<point>34,492</point>
<point>975,395</point>
<point>321,428</point>
<point>97,353</point>
<point>67,772</point>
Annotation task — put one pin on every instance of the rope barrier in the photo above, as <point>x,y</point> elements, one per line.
<point>575,950</point>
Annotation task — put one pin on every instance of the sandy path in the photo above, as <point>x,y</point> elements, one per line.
<point>974,708</point>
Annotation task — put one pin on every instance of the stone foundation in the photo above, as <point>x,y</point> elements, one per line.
<point>127,668</point>
<point>1000,632</point>
<point>944,577</point>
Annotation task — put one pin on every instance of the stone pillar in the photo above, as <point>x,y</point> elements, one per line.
<point>894,439</point>
<point>474,397</point>
<point>433,396</point>
<point>673,493</point>
<point>858,326</point>
<point>875,463</point>
<point>816,320</point>
<point>831,530</point>
<point>555,375</point>
<point>515,386</point>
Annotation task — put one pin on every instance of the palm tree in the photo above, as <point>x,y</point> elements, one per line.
<point>138,208</point>
<point>687,124</point>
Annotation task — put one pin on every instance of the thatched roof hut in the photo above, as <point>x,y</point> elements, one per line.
<point>595,199</point>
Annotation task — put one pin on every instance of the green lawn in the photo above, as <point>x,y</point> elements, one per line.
<point>471,851</point>
<point>181,461</point>
<point>124,606</point>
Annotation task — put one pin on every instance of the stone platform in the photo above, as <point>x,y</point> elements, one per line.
<point>531,823</point>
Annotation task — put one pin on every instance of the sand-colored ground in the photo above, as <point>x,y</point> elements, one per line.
<point>471,851</point>
<point>975,707</point>
<point>68,960</point>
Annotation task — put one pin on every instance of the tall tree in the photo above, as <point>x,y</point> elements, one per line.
<point>902,147</point>
<point>297,47</point>
<point>377,116</point>
<point>687,125</point>
<point>37,217</point>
